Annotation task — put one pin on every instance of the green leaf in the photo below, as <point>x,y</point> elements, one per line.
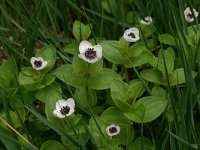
<point>118,89</point>
<point>193,36</point>
<point>123,95</point>
<point>122,104</point>
<point>82,67</point>
<point>148,30</point>
<point>136,50</point>
<point>70,48</point>
<point>81,31</point>
<point>159,92</point>
<point>147,109</point>
<point>178,76</point>
<point>167,39</point>
<point>146,57</point>
<point>135,89</point>
<point>115,115</point>
<point>103,79</point>
<point>49,55</point>
<point>48,79</point>
<point>112,51</point>
<point>109,5</point>
<point>8,73</point>
<point>151,75</point>
<point>29,76</point>
<point>46,93</point>
<point>52,145</point>
<point>84,99</point>
<point>165,59</point>
<point>67,75</point>
<point>139,142</point>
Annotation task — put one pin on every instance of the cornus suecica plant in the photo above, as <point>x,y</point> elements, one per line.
<point>64,108</point>
<point>113,130</point>
<point>189,15</point>
<point>38,63</point>
<point>131,34</point>
<point>89,53</point>
<point>147,21</point>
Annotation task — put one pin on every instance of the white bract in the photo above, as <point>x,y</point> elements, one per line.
<point>64,108</point>
<point>147,20</point>
<point>89,53</point>
<point>113,130</point>
<point>131,35</point>
<point>189,16</point>
<point>38,63</point>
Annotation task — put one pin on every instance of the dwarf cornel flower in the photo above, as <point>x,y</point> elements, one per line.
<point>189,16</point>
<point>38,63</point>
<point>64,108</point>
<point>131,35</point>
<point>113,130</point>
<point>89,53</point>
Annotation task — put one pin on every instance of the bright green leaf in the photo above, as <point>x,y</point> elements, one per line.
<point>165,60</point>
<point>139,142</point>
<point>103,79</point>
<point>67,75</point>
<point>70,48</point>
<point>112,51</point>
<point>152,75</point>
<point>81,31</point>
<point>147,109</point>
<point>46,93</point>
<point>178,76</point>
<point>52,145</point>
<point>85,98</point>
<point>167,39</point>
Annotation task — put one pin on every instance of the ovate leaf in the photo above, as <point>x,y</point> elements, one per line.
<point>81,31</point>
<point>147,109</point>
<point>152,75</point>
<point>167,39</point>
<point>112,51</point>
<point>103,79</point>
<point>178,76</point>
<point>52,145</point>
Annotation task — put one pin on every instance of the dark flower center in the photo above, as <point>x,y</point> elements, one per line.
<point>38,63</point>
<point>65,110</point>
<point>146,20</point>
<point>90,53</point>
<point>131,35</point>
<point>113,130</point>
<point>189,15</point>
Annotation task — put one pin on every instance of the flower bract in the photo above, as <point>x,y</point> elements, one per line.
<point>64,108</point>
<point>131,35</point>
<point>89,53</point>
<point>38,63</point>
<point>113,130</point>
<point>147,20</point>
<point>189,15</point>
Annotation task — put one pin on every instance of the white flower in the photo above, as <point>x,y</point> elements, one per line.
<point>89,53</point>
<point>113,130</point>
<point>131,35</point>
<point>64,108</point>
<point>189,16</point>
<point>147,20</point>
<point>38,63</point>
